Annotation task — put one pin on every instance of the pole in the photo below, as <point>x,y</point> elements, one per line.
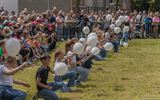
<point>48,4</point>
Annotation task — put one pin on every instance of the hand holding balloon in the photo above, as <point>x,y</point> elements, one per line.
<point>60,69</point>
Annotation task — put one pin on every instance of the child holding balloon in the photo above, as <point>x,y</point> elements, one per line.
<point>71,75</point>
<point>6,79</point>
<point>46,90</point>
<point>75,63</point>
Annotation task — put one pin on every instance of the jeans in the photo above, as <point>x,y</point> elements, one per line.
<point>125,37</point>
<point>8,93</point>
<point>59,31</point>
<point>47,94</point>
<point>116,46</point>
<point>82,72</point>
<point>103,53</point>
<point>57,85</point>
<point>98,58</point>
<point>71,75</point>
<point>66,33</point>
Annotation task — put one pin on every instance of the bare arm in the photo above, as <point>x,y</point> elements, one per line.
<point>41,84</point>
<point>15,70</point>
<point>21,83</point>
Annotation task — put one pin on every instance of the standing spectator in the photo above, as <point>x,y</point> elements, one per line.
<point>59,25</point>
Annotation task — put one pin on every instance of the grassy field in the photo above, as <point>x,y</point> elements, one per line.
<point>132,74</point>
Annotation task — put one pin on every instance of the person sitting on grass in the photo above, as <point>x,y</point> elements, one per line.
<point>46,90</point>
<point>6,80</point>
<point>71,75</point>
<point>75,63</point>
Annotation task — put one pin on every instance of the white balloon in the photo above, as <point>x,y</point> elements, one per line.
<point>126,29</point>
<point>13,47</point>
<point>109,17</point>
<point>121,18</point>
<point>92,41</point>
<point>112,26</point>
<point>125,44</point>
<point>107,34</point>
<point>126,18</point>
<point>60,69</point>
<point>138,17</point>
<point>86,30</point>
<point>118,23</point>
<point>117,30</point>
<point>95,51</point>
<point>108,46</point>
<point>83,40</point>
<point>92,34</point>
<point>78,48</point>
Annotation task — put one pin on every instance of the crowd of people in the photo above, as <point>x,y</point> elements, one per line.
<point>39,32</point>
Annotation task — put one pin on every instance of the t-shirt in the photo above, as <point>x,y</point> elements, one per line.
<point>1,52</point>
<point>42,73</point>
<point>5,80</point>
<point>74,60</point>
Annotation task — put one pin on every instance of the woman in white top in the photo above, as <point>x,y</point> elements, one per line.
<point>6,80</point>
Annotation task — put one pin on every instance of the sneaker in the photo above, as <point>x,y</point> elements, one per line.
<point>77,83</point>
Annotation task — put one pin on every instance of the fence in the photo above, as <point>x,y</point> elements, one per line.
<point>74,29</point>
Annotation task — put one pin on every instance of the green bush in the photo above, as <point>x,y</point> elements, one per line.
<point>140,5</point>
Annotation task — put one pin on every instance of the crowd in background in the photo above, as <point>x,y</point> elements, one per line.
<point>39,32</point>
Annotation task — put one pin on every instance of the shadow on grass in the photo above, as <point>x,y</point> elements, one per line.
<point>87,86</point>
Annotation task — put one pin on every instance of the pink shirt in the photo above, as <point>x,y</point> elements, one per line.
<point>156,19</point>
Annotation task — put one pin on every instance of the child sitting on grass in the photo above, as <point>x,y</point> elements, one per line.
<point>46,90</point>
<point>6,80</point>
<point>71,75</point>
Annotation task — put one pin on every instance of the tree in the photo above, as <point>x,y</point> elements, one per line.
<point>157,5</point>
<point>145,5</point>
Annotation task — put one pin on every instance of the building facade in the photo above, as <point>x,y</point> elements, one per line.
<point>65,5</point>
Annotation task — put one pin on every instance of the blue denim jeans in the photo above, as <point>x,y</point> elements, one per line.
<point>71,75</point>
<point>57,85</point>
<point>103,53</point>
<point>82,72</point>
<point>8,93</point>
<point>59,32</point>
<point>125,37</point>
<point>98,58</point>
<point>47,94</point>
<point>66,33</point>
<point>116,46</point>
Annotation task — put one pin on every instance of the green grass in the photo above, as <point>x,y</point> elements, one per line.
<point>132,74</point>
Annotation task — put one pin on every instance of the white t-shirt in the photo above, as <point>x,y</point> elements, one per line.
<point>6,80</point>
<point>74,60</point>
